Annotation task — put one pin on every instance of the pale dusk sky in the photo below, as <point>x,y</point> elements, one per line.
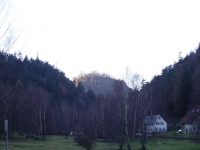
<point>107,35</point>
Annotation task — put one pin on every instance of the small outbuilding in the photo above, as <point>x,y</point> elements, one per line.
<point>190,123</point>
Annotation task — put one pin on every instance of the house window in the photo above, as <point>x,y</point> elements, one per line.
<point>163,128</point>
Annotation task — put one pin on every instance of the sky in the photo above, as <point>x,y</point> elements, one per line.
<point>80,36</point>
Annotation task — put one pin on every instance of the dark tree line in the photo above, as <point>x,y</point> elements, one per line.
<point>38,99</point>
<point>177,88</point>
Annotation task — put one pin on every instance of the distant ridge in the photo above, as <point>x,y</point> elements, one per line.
<point>99,83</point>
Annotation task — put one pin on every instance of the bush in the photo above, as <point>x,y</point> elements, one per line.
<point>84,140</point>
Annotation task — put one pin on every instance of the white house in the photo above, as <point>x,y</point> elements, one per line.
<point>155,123</point>
<point>190,123</point>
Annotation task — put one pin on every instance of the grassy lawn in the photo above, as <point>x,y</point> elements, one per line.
<point>60,143</point>
<point>175,135</point>
<point>51,143</point>
<point>163,144</point>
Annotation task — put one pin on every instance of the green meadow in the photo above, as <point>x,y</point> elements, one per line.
<point>61,143</point>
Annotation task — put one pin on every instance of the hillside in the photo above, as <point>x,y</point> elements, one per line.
<point>34,93</point>
<point>99,83</point>
<point>177,89</point>
<point>35,72</point>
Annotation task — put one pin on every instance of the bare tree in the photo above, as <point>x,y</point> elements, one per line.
<point>119,110</point>
<point>37,109</point>
<point>6,98</point>
<point>10,100</point>
<point>123,103</point>
<point>127,101</point>
<point>65,108</point>
<point>7,40</point>
<point>91,127</point>
<point>145,101</point>
<point>100,114</point>
<point>136,82</point>
<point>7,35</point>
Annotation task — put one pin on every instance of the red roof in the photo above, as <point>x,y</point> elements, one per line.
<point>191,116</point>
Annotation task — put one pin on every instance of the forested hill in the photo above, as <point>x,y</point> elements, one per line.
<point>177,89</point>
<point>33,72</point>
<point>14,69</point>
<point>37,98</point>
<point>99,83</point>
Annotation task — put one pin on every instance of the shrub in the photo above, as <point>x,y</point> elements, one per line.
<point>84,140</point>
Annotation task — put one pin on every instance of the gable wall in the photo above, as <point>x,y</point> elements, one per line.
<point>187,128</point>
<point>159,125</point>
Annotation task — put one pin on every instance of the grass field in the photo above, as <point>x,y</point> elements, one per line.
<point>60,143</point>
<point>175,135</point>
